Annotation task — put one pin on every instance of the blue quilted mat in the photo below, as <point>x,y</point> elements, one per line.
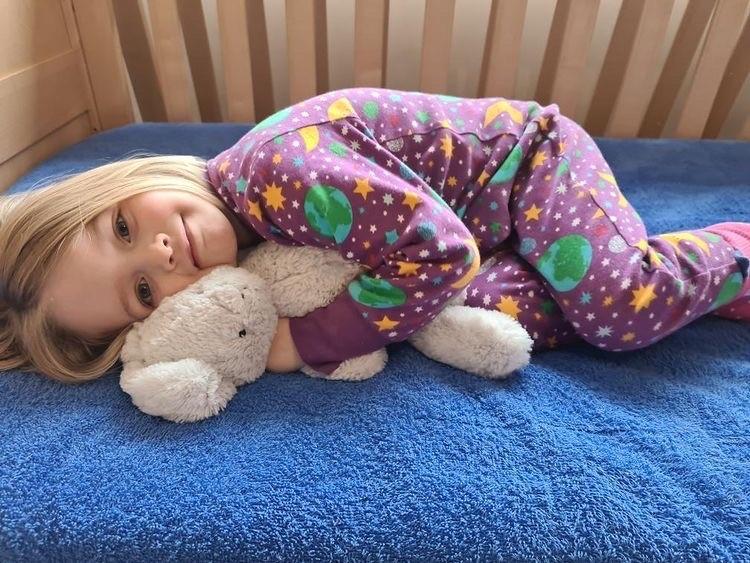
<point>583,455</point>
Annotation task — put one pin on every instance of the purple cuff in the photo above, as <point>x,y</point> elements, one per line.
<point>327,336</point>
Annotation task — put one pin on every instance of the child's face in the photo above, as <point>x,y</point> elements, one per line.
<point>135,254</point>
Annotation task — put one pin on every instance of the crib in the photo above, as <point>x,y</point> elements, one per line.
<point>583,454</point>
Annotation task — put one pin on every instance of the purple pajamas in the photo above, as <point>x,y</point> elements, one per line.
<point>416,187</point>
<point>589,268</point>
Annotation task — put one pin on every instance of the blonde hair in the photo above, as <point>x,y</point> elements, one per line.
<point>38,226</point>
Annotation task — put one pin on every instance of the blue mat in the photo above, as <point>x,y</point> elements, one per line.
<point>584,454</point>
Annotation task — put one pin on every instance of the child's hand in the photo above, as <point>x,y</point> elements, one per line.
<point>283,356</point>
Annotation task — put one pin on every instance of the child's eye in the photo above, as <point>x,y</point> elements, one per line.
<point>144,293</point>
<point>124,224</point>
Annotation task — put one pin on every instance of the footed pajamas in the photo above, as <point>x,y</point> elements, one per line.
<point>419,188</point>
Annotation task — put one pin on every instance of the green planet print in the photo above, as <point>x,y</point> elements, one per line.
<point>566,262</point>
<point>730,290</point>
<point>328,212</point>
<point>273,119</point>
<point>376,293</point>
<point>509,167</point>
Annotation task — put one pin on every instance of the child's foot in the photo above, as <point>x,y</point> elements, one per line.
<point>739,309</point>
<point>738,235</point>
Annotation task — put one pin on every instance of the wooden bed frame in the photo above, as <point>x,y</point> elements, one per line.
<point>74,67</point>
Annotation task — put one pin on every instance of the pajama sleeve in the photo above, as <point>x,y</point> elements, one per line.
<point>332,185</point>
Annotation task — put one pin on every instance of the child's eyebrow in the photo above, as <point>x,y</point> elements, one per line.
<point>99,237</point>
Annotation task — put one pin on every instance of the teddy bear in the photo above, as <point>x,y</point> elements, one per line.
<point>185,361</point>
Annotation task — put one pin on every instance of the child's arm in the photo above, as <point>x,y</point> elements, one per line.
<point>332,185</point>
<point>283,356</point>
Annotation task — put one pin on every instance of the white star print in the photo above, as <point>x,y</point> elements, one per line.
<point>604,331</point>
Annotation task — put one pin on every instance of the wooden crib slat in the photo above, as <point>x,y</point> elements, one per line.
<point>261,59</point>
<point>199,56</point>
<point>138,59</point>
<point>612,72</point>
<point>370,42</point>
<point>745,132</point>
<point>734,78</point>
<point>723,32</point>
<point>307,48</point>
<point>436,46</point>
<point>97,30</point>
<point>641,75</point>
<point>681,53</point>
<point>638,78</point>
<point>564,64</point>
<point>502,49</point>
<point>171,61</point>
<point>236,60</point>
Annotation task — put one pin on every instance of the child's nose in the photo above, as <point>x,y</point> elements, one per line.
<point>165,250</point>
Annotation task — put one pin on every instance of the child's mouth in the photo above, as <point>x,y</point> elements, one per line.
<point>191,246</point>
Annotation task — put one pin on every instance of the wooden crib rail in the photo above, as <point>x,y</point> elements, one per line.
<point>641,68</point>
<point>632,97</point>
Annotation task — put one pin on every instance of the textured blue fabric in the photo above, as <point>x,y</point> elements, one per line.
<point>584,454</point>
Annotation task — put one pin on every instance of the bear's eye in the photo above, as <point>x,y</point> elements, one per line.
<point>242,333</point>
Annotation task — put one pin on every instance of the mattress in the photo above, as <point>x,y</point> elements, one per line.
<point>584,454</point>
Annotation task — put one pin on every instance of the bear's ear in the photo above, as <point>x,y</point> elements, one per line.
<point>132,350</point>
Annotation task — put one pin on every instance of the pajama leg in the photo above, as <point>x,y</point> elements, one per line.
<point>618,287</point>
<point>510,285</point>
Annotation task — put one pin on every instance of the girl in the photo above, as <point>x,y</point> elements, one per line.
<point>418,188</point>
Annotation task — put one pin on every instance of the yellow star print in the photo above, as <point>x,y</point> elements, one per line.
<point>483,178</point>
<point>363,187</point>
<point>447,146</point>
<point>223,167</point>
<point>412,200</point>
<point>408,268</point>
<point>273,196</point>
<point>643,296</point>
<point>509,306</point>
<point>533,212</point>
<point>385,323</point>
<point>628,337</point>
<point>254,208</point>
<point>538,160</point>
